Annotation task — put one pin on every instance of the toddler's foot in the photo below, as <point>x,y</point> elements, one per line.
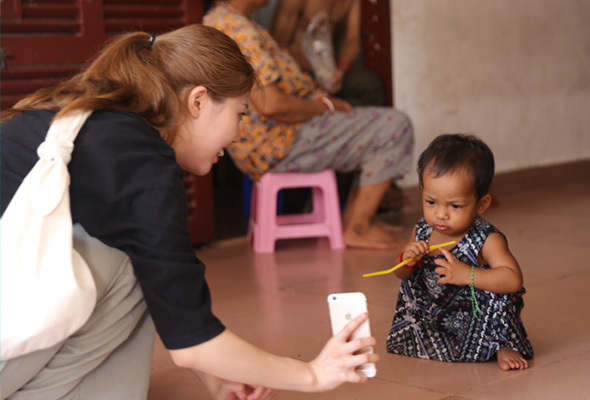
<point>372,237</point>
<point>511,359</point>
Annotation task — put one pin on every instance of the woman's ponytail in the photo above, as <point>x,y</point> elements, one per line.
<point>149,76</point>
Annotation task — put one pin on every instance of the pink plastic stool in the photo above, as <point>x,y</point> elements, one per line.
<point>324,221</point>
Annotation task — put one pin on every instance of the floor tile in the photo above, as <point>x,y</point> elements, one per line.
<point>278,302</point>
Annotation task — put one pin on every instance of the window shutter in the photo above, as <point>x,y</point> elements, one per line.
<point>149,16</point>
<point>46,41</point>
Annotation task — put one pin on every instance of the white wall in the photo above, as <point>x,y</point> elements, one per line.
<point>514,72</point>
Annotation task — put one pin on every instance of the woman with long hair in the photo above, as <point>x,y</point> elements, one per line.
<point>159,105</point>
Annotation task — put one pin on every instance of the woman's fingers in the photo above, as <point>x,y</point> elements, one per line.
<point>358,344</point>
<point>351,326</point>
<point>340,356</point>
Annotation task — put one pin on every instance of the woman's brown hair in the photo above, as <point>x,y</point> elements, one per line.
<point>127,76</point>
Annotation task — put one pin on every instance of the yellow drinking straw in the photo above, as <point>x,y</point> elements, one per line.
<point>409,260</point>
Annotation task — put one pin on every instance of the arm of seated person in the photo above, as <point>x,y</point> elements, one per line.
<point>270,102</point>
<point>284,21</point>
<point>351,46</point>
<point>284,28</point>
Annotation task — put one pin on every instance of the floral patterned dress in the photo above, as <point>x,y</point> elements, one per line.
<point>263,141</point>
<point>437,322</point>
<point>376,142</point>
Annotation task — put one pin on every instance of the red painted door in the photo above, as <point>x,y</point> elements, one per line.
<point>45,41</point>
<point>376,42</point>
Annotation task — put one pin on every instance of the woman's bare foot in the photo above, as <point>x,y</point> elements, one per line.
<point>372,237</point>
<point>510,359</point>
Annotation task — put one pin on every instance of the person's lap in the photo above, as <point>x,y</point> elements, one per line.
<point>374,142</point>
<point>85,365</point>
<point>377,141</point>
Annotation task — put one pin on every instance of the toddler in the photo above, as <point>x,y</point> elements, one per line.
<point>459,304</point>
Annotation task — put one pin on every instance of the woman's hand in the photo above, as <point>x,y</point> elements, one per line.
<point>238,391</point>
<point>336,81</point>
<point>337,361</point>
<point>221,389</point>
<point>452,270</point>
<point>341,105</point>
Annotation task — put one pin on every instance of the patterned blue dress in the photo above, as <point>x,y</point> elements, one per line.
<point>436,322</point>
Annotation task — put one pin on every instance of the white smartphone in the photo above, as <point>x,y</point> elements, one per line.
<point>343,308</point>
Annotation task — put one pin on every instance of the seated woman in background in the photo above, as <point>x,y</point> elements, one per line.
<point>294,126</point>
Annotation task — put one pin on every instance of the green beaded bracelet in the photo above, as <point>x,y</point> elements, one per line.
<point>474,304</point>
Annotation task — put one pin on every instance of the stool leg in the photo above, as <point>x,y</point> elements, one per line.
<point>265,225</point>
<point>318,214</point>
<point>246,196</point>
<point>332,212</point>
<point>252,226</point>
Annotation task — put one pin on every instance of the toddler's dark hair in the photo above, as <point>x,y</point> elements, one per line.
<point>450,152</point>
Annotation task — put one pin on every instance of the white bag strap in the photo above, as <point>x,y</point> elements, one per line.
<point>47,290</point>
<point>54,155</point>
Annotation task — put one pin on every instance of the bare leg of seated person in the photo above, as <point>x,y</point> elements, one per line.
<point>391,228</point>
<point>393,200</point>
<point>360,226</point>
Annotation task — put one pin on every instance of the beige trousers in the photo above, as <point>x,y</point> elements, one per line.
<point>109,357</point>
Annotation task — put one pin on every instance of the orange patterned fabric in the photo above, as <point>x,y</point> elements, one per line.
<point>264,142</point>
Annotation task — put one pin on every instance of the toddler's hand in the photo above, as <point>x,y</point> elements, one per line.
<point>415,250</point>
<point>452,270</point>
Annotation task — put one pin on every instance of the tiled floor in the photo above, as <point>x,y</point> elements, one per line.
<point>278,302</point>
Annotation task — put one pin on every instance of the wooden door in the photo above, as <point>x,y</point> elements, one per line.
<point>46,41</point>
<point>376,42</point>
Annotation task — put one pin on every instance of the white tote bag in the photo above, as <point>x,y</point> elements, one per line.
<point>47,289</point>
